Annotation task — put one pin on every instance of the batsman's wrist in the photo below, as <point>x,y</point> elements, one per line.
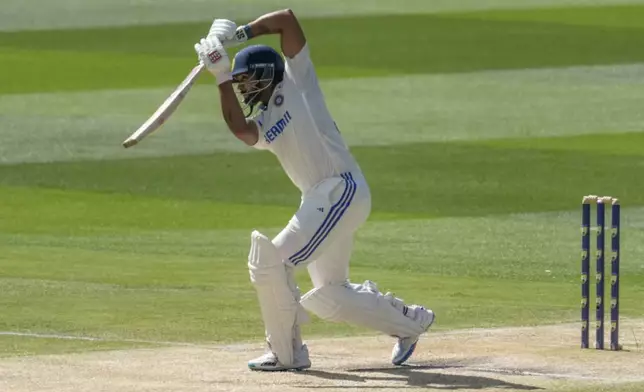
<point>223,77</point>
<point>244,33</point>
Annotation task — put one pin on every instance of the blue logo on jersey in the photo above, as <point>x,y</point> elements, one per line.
<point>279,100</point>
<point>278,128</point>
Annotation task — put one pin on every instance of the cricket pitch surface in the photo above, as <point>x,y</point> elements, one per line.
<point>509,359</point>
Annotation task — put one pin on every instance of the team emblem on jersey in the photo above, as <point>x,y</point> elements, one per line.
<point>279,100</point>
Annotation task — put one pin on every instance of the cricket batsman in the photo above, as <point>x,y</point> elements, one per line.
<point>282,109</point>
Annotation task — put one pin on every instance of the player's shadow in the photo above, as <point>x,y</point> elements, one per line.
<point>412,376</point>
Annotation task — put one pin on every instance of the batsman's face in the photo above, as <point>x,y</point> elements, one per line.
<point>245,85</point>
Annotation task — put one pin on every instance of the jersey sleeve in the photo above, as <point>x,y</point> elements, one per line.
<point>259,119</point>
<point>300,69</point>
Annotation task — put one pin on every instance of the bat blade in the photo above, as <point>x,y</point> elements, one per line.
<point>163,113</point>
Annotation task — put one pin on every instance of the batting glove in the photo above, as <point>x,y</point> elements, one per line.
<point>228,33</point>
<point>213,55</point>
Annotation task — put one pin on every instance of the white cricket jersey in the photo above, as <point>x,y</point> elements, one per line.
<point>297,127</point>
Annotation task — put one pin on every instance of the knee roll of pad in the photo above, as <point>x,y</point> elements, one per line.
<point>264,260</point>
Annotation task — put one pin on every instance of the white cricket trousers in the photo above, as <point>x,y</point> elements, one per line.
<point>320,234</point>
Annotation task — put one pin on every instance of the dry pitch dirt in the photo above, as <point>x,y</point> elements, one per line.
<point>507,359</point>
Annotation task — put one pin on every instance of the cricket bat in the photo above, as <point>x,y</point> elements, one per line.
<point>164,111</point>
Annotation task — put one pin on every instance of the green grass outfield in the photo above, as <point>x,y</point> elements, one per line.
<point>479,131</point>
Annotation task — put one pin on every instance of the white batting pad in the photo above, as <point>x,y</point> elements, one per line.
<point>278,297</point>
<point>364,305</point>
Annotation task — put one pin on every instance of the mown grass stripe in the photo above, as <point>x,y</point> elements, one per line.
<point>433,43</point>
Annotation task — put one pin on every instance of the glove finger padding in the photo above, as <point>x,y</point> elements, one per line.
<point>223,22</point>
<point>222,33</point>
<point>212,54</point>
<point>223,28</point>
<point>206,45</point>
<point>200,49</point>
<point>227,22</point>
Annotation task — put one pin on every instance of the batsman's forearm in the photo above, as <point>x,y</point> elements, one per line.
<point>230,108</point>
<point>271,23</point>
<point>283,23</point>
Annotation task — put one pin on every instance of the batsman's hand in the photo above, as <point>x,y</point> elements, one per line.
<point>212,54</point>
<point>228,33</point>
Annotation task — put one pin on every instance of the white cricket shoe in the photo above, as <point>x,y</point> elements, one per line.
<point>404,348</point>
<point>269,363</point>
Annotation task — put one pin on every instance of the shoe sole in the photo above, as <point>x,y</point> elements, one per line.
<point>276,369</point>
